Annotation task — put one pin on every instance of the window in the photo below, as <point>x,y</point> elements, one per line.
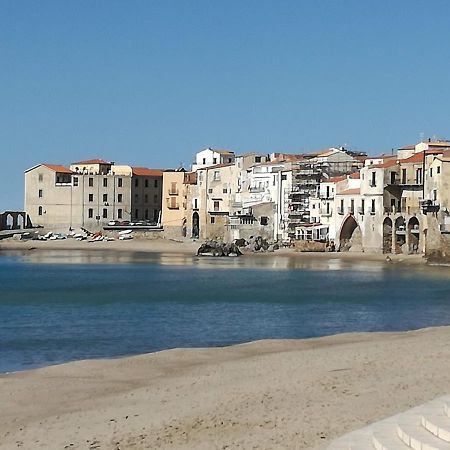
<point>213,219</point>
<point>90,213</point>
<point>91,182</point>
<point>373,180</point>
<point>40,193</point>
<point>41,177</point>
<point>362,206</point>
<point>156,183</point>
<point>195,203</point>
<point>146,198</point>
<point>136,213</point>
<point>393,176</point>
<point>216,205</point>
<point>119,198</point>
<point>204,160</point>
<point>419,176</point>
<point>257,159</point>
<point>105,213</point>
<point>372,209</point>
<point>403,176</point>
<point>40,211</point>
<point>438,169</point>
<point>224,190</point>
<point>283,177</point>
<point>136,182</point>
<point>434,195</point>
<point>328,192</point>
<point>105,198</point>
<point>119,213</point>
<point>119,182</point>
<point>352,206</point>
<point>155,198</point>
<point>229,160</point>
<point>75,181</point>
<point>216,176</point>
<point>264,220</point>
<point>91,197</point>
<point>146,182</point>
<point>214,160</point>
<point>105,182</point>
<point>209,191</point>
<point>431,172</point>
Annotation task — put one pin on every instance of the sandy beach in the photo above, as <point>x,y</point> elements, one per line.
<point>190,248</point>
<point>263,395</point>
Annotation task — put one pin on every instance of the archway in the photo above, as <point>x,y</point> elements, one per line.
<point>350,235</point>
<point>9,222</point>
<point>387,235</point>
<point>195,225</point>
<point>413,235</point>
<point>20,221</point>
<point>400,234</point>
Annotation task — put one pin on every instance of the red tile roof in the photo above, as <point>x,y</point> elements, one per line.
<point>350,192</point>
<point>145,172</point>
<point>416,158</point>
<point>92,161</point>
<point>355,175</point>
<point>57,168</point>
<point>385,165</point>
<point>336,179</point>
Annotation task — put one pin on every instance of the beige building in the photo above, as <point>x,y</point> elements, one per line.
<point>91,193</point>
<point>174,204</point>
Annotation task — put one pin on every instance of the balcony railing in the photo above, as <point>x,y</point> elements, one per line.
<point>429,206</point>
<point>173,191</point>
<point>340,210</point>
<point>361,210</point>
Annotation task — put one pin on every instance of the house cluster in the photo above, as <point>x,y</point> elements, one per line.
<point>350,201</point>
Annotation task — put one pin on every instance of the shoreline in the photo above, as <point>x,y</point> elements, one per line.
<point>288,394</point>
<point>189,248</point>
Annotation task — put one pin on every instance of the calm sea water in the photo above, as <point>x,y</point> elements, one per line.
<point>57,307</point>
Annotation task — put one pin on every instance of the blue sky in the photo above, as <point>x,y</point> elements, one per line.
<point>152,82</point>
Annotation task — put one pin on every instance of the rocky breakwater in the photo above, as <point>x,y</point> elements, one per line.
<point>254,244</point>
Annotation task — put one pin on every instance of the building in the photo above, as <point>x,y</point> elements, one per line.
<point>91,193</point>
<point>174,204</point>
<point>212,157</point>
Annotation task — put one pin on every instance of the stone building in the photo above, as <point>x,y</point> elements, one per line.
<point>91,193</point>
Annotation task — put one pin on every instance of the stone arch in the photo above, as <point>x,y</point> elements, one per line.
<point>400,234</point>
<point>195,225</point>
<point>9,222</point>
<point>20,221</point>
<point>350,235</point>
<point>413,235</point>
<point>387,235</point>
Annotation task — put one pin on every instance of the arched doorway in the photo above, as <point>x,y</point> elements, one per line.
<point>400,234</point>
<point>195,225</point>
<point>387,235</point>
<point>20,221</point>
<point>413,235</point>
<point>350,235</point>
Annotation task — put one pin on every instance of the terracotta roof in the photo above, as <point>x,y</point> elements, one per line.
<point>385,165</point>
<point>336,179</point>
<point>145,172</point>
<point>92,161</point>
<point>350,192</point>
<point>58,168</point>
<point>328,152</point>
<point>355,175</point>
<point>416,158</point>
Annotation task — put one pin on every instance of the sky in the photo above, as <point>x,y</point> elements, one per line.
<point>150,83</point>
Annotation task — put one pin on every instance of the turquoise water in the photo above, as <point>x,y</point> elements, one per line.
<point>57,307</point>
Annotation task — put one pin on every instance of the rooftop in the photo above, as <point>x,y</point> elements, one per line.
<point>57,168</point>
<point>92,161</point>
<point>145,172</point>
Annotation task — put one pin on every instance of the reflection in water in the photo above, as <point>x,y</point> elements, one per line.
<point>268,261</point>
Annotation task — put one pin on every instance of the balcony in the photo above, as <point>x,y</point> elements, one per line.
<point>361,210</point>
<point>340,210</point>
<point>371,211</point>
<point>173,191</point>
<point>429,206</point>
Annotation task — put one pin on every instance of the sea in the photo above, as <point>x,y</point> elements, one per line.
<point>58,306</point>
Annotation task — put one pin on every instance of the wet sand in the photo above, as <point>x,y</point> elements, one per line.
<point>289,394</point>
<point>190,248</point>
